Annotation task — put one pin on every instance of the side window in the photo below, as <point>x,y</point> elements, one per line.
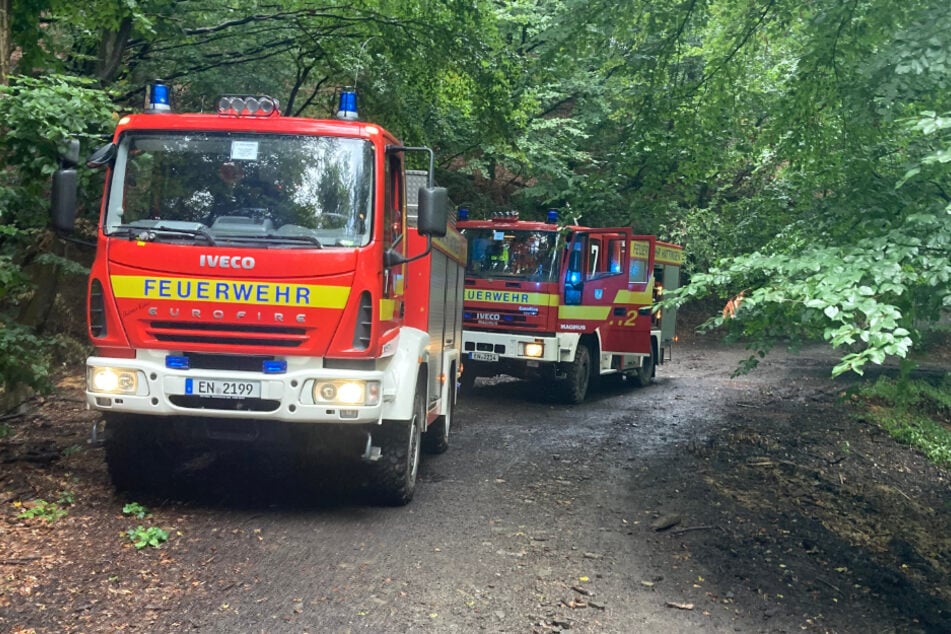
<point>393,222</point>
<point>640,261</point>
<point>393,203</point>
<point>615,255</point>
<point>605,256</point>
<point>594,258</point>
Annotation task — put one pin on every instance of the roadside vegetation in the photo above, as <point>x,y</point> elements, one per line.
<point>799,152</point>
<point>916,412</point>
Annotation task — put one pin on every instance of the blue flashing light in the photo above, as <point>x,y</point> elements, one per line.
<point>156,98</point>
<point>552,217</point>
<point>348,105</point>
<point>463,213</point>
<point>176,362</point>
<point>274,366</point>
<point>574,277</point>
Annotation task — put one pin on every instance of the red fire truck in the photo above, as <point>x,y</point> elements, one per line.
<point>566,304</point>
<point>259,278</point>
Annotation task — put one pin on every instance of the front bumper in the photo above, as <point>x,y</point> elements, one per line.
<point>495,346</point>
<point>288,396</point>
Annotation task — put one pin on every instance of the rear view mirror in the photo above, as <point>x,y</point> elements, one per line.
<point>433,214</point>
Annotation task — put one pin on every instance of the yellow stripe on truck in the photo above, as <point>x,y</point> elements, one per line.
<point>636,298</point>
<point>664,254</point>
<point>599,313</point>
<point>229,291</point>
<point>510,297</point>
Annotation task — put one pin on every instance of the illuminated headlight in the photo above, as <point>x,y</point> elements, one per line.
<point>347,392</point>
<point>112,380</point>
<point>536,350</point>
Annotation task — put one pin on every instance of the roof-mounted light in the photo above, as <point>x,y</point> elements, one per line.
<point>348,104</point>
<point>248,106</point>
<point>156,97</point>
<point>499,216</point>
<point>552,217</point>
<point>463,213</point>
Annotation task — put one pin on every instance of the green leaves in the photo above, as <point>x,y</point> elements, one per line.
<point>867,298</point>
<point>151,536</point>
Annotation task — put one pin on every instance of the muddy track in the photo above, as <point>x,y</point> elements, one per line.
<point>700,503</point>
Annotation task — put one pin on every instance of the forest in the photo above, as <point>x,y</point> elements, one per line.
<point>800,151</point>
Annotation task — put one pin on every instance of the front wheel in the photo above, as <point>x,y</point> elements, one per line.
<point>139,456</point>
<point>399,442</point>
<point>579,376</point>
<point>467,380</point>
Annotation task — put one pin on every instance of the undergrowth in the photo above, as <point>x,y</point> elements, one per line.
<point>914,412</point>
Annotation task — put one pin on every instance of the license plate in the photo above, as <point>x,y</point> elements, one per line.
<point>483,356</point>
<point>223,389</point>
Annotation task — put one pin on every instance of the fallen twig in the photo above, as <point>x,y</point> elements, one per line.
<point>829,584</point>
<point>17,561</point>
<point>687,529</point>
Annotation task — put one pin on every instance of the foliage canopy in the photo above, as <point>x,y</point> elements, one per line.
<point>799,151</point>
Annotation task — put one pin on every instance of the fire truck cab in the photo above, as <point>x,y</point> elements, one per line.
<point>258,278</point>
<point>564,304</point>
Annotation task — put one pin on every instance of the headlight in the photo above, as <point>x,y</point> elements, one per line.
<point>536,350</point>
<point>343,392</point>
<point>112,380</point>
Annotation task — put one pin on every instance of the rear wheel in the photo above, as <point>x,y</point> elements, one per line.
<point>645,374</point>
<point>399,442</point>
<point>579,376</point>
<point>436,438</point>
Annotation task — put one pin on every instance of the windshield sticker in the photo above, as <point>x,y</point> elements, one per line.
<point>244,150</point>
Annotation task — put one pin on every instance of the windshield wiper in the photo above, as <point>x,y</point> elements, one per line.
<point>273,238</point>
<point>149,234</point>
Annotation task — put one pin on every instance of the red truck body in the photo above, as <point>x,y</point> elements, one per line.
<point>564,303</point>
<point>258,274</point>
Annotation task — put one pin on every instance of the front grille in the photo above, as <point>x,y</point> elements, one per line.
<point>227,334</point>
<point>225,404</point>
<point>97,310</point>
<point>241,363</point>
<point>507,317</point>
<point>471,346</point>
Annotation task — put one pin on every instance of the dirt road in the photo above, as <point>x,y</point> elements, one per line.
<point>699,504</point>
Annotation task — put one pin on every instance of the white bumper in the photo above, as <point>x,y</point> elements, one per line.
<point>558,347</point>
<point>288,396</point>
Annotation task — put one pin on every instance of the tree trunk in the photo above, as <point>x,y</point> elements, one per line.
<point>5,47</point>
<point>111,49</point>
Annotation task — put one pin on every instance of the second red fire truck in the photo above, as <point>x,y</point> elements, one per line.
<point>564,304</point>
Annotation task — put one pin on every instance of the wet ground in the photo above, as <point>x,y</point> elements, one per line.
<point>700,503</point>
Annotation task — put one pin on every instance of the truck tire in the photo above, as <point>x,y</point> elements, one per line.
<point>399,442</point>
<point>467,380</point>
<point>579,376</point>
<point>436,438</point>
<point>137,457</point>
<point>644,375</point>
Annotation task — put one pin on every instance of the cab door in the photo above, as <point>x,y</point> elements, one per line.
<point>596,278</point>
<point>631,317</point>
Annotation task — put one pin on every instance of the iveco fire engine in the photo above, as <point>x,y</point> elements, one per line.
<point>259,277</point>
<point>566,304</point>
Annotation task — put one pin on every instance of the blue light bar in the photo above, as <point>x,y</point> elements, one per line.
<point>176,362</point>
<point>348,104</point>
<point>156,98</point>
<point>274,366</point>
<point>463,213</point>
<point>552,216</point>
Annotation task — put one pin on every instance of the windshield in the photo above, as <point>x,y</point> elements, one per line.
<point>530,255</point>
<point>224,188</point>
